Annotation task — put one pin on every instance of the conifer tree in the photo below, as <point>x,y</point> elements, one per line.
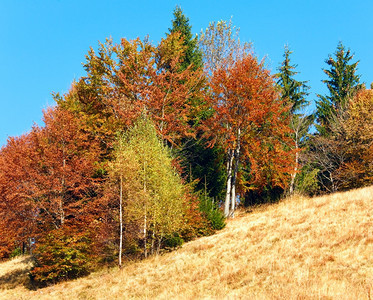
<point>199,162</point>
<point>327,152</point>
<point>294,93</point>
<point>342,84</point>
<point>180,24</point>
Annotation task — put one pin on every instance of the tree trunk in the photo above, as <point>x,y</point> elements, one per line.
<point>292,183</point>
<point>234,179</point>
<point>334,189</point>
<point>236,155</point>
<point>145,216</point>
<point>159,244</point>
<point>153,242</point>
<point>145,236</point>
<point>229,183</point>
<point>62,213</point>
<point>120,221</point>
<point>62,194</point>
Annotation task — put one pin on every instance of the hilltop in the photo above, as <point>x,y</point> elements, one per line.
<point>299,248</point>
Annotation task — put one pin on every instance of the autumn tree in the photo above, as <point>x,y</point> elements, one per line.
<point>352,132</point>
<point>174,92</point>
<point>88,98</point>
<point>357,171</point>
<point>155,196</point>
<point>47,176</point>
<point>18,215</point>
<point>124,79</point>
<point>131,199</point>
<point>61,185</point>
<point>63,173</point>
<point>343,158</point>
<point>221,46</point>
<point>248,119</point>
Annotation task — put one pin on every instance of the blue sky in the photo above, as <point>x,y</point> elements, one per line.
<point>44,42</point>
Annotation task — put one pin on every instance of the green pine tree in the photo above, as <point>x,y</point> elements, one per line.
<point>198,161</point>
<point>326,152</point>
<point>294,93</point>
<point>193,55</point>
<point>342,84</point>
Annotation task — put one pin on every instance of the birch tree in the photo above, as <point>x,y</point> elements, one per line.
<point>150,187</point>
<point>221,46</point>
<point>248,118</point>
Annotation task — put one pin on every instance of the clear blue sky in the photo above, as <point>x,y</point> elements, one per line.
<point>44,42</point>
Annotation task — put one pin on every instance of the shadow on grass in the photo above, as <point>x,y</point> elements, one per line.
<point>18,276</point>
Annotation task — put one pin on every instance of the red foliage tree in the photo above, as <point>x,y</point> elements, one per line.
<point>63,179</point>
<point>249,122</point>
<point>46,176</point>
<point>124,80</point>
<point>151,79</point>
<point>18,215</point>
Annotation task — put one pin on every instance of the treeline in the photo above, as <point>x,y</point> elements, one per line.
<point>156,145</point>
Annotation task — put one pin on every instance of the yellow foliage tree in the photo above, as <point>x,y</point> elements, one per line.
<point>150,190</point>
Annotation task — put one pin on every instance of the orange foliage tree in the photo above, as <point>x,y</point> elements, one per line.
<point>46,176</point>
<point>18,216</point>
<point>249,122</point>
<point>124,80</point>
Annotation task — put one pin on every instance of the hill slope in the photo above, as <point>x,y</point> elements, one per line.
<point>320,248</point>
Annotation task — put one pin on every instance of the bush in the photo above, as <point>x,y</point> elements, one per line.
<point>61,255</point>
<point>307,181</point>
<point>16,252</point>
<point>173,241</point>
<point>212,212</point>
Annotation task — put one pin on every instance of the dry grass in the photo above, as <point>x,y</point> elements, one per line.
<point>320,248</point>
<point>14,272</point>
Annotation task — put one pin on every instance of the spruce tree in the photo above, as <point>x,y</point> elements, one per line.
<point>342,84</point>
<point>326,148</point>
<point>199,162</point>
<point>294,93</point>
<point>193,55</point>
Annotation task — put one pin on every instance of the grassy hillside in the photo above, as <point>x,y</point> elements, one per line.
<point>320,248</point>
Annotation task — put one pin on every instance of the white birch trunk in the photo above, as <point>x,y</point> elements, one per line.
<point>235,171</point>
<point>62,195</point>
<point>145,235</point>
<point>145,216</point>
<point>120,221</point>
<point>229,182</point>
<point>234,179</point>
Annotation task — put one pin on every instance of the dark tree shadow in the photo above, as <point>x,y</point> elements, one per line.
<point>16,277</point>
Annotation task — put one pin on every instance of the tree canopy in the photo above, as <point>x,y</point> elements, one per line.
<point>157,143</point>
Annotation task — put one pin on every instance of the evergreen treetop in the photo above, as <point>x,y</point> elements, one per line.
<point>193,55</point>
<point>292,91</point>
<point>342,84</point>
